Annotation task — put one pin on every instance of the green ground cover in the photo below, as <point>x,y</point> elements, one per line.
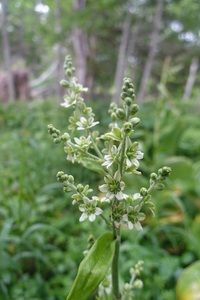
<point>41,240</point>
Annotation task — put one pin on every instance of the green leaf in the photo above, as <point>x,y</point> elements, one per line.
<point>93,268</point>
<point>92,164</point>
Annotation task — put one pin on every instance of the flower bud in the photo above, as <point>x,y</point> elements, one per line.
<point>131,92</point>
<point>143,191</point>
<point>60,174</point>
<point>135,121</point>
<point>164,172</point>
<point>71,179</point>
<point>134,109</point>
<point>68,72</point>
<point>80,188</point>
<point>153,176</point>
<point>127,127</point>
<point>64,177</point>
<point>57,140</point>
<point>123,95</point>
<point>120,113</point>
<point>113,117</point>
<point>64,83</point>
<point>159,187</point>
<point>65,137</point>
<point>128,101</point>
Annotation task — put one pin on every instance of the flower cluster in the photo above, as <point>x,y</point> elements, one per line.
<point>135,282</point>
<point>88,206</point>
<point>113,155</point>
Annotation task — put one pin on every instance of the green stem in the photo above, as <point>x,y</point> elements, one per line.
<point>115,265</point>
<point>122,155</point>
<point>98,152</point>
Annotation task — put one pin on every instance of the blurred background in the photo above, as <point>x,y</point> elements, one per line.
<point>157,44</point>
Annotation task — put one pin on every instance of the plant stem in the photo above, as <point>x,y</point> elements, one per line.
<point>115,265</point>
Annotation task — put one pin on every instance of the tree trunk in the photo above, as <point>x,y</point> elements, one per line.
<point>152,51</point>
<point>191,78</point>
<point>6,51</point>
<point>121,61</point>
<point>59,69</point>
<point>81,47</point>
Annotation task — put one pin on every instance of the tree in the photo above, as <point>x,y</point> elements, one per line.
<point>121,61</point>
<point>154,41</point>
<point>6,50</point>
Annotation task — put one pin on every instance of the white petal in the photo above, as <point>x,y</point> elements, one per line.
<point>98,211</point>
<point>104,199</point>
<point>140,155</point>
<point>103,188</point>
<point>120,195</point>
<point>137,196</point>
<point>92,217</point>
<point>83,217</point>
<point>138,226</point>
<point>130,225</point>
<point>117,176</point>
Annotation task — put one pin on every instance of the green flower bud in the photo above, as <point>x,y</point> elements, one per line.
<point>57,140</point>
<point>164,172</point>
<point>134,109</point>
<point>80,188</point>
<point>123,95</point>
<point>68,72</point>
<point>153,176</point>
<point>127,127</point>
<point>64,83</point>
<point>54,135</point>
<point>131,92</point>
<point>60,174</point>
<point>65,137</point>
<point>128,101</point>
<point>64,177</point>
<point>113,117</point>
<point>143,191</point>
<point>71,179</point>
<point>120,113</point>
<point>135,121</point>
<point>159,187</point>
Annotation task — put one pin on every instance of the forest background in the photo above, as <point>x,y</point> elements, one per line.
<point>156,44</point>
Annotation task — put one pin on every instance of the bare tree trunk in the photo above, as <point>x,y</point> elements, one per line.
<point>81,47</point>
<point>152,51</point>
<point>59,69</point>
<point>191,78</point>
<point>6,51</point>
<point>121,61</point>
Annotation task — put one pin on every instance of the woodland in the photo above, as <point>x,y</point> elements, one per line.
<point>156,43</point>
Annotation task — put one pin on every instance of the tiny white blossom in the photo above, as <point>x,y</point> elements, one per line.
<point>111,157</point>
<point>86,123</point>
<point>83,141</point>
<point>132,218</point>
<point>89,209</point>
<point>113,187</point>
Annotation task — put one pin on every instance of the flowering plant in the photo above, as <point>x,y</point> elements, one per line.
<point>113,155</point>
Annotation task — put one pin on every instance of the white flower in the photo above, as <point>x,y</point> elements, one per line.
<point>113,187</point>
<point>89,209</point>
<point>69,100</point>
<point>86,123</point>
<point>83,142</point>
<point>132,218</point>
<point>71,153</point>
<point>133,155</point>
<point>111,157</point>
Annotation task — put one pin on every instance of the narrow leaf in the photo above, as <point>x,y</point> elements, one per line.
<point>93,268</point>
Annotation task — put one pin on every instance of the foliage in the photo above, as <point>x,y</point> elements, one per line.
<point>39,252</point>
